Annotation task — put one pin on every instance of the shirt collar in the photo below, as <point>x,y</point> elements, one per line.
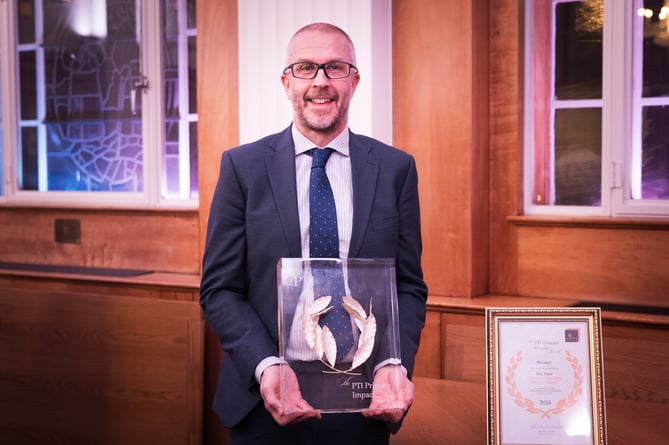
<point>303,144</point>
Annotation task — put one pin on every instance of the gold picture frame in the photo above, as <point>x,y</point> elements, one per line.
<point>545,376</point>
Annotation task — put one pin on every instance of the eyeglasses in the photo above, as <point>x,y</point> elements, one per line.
<point>332,70</point>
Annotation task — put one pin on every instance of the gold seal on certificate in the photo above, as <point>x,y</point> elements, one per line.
<point>544,377</point>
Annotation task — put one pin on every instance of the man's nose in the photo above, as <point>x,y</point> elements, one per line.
<point>321,77</point>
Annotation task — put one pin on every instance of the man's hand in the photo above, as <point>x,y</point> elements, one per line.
<point>294,408</point>
<point>386,404</point>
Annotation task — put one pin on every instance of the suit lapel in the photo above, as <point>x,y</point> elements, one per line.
<point>280,162</point>
<point>364,169</point>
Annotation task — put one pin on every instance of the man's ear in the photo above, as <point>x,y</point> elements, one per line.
<point>285,81</point>
<point>355,81</point>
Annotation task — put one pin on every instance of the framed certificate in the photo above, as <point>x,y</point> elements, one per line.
<point>338,322</point>
<point>545,376</point>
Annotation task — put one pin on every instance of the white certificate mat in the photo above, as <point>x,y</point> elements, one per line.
<point>544,377</point>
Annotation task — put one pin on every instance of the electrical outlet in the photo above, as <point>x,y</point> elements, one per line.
<point>67,231</point>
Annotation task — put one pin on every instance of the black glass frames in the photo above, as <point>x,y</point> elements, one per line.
<point>332,70</point>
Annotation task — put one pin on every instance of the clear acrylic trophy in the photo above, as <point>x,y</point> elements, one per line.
<point>334,356</point>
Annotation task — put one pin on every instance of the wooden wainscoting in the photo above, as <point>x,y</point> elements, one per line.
<point>445,412</point>
<point>163,286</point>
<point>91,369</point>
<point>161,241</point>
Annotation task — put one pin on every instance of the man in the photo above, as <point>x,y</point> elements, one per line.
<point>260,213</point>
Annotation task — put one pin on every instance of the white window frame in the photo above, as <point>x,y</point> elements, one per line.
<point>621,100</point>
<point>153,127</point>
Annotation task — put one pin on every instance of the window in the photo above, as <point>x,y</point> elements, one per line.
<point>597,108</point>
<point>100,105</point>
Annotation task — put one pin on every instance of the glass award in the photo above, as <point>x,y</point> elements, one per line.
<point>338,323</point>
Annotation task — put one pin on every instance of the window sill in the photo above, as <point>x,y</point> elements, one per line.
<point>590,222</point>
<point>86,208</point>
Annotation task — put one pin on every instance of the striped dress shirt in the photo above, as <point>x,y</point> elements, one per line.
<point>338,171</point>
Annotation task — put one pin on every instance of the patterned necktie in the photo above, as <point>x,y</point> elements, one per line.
<point>324,243</point>
<point>323,234</point>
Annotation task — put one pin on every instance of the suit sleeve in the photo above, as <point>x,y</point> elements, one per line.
<point>411,289</point>
<point>224,287</point>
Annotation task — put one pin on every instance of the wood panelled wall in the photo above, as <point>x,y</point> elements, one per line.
<point>504,148</point>
<point>462,119</point>
<point>466,137</point>
<point>440,115</point>
<point>606,263</point>
<point>218,129</point>
<point>162,241</point>
<point>218,97</point>
<point>80,368</point>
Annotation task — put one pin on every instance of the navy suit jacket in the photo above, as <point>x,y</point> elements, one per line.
<point>254,221</point>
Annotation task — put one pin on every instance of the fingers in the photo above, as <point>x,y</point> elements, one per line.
<point>385,415</point>
<point>390,411</point>
<point>293,408</point>
<point>299,412</point>
<point>393,395</point>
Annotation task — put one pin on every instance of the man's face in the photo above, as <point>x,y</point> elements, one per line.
<point>320,104</point>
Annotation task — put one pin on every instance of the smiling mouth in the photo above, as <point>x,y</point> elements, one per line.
<point>320,100</point>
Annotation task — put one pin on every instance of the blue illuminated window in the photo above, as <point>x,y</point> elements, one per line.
<point>106,101</point>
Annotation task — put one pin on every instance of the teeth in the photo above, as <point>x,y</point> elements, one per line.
<point>320,101</point>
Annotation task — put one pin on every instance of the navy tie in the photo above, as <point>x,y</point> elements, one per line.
<point>323,234</point>
<point>324,243</point>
